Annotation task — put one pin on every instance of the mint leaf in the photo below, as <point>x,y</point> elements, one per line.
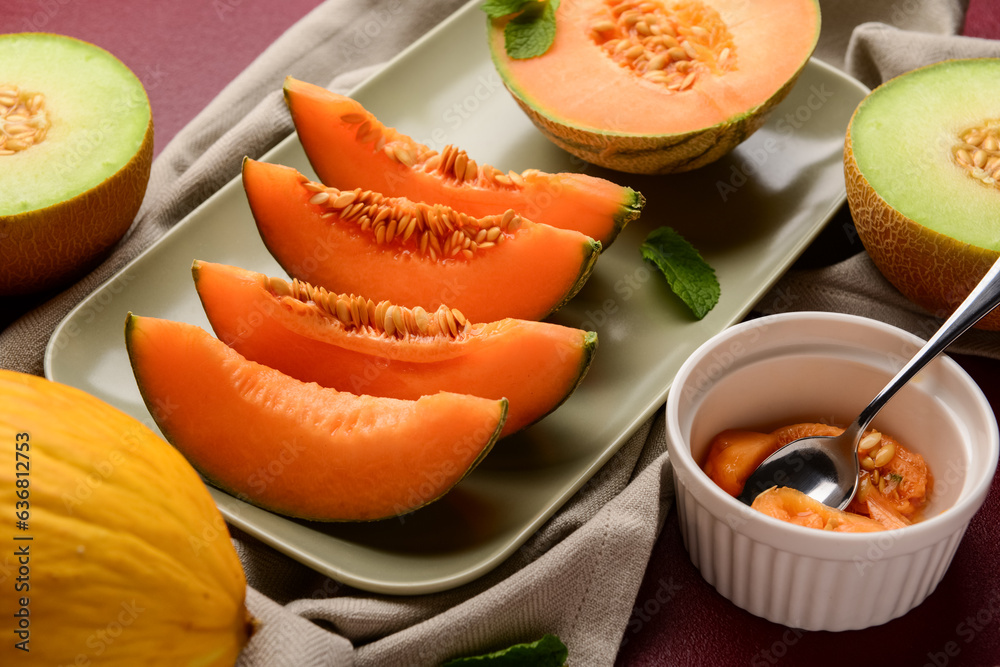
<point>689,276</point>
<point>531,32</point>
<point>549,651</point>
<point>496,9</point>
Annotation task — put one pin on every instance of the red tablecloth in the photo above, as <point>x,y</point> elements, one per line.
<point>185,51</point>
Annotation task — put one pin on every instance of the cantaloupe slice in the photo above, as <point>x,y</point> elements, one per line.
<point>922,166</point>
<point>660,86</point>
<point>350,148</point>
<point>414,254</point>
<point>352,344</point>
<point>297,448</point>
<point>76,145</point>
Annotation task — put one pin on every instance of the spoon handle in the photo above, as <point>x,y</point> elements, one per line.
<point>983,298</point>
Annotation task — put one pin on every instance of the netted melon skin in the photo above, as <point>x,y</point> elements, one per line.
<point>50,247</point>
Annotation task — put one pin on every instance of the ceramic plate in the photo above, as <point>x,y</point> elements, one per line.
<point>751,215</point>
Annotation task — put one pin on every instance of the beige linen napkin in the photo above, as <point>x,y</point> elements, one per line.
<point>578,575</point>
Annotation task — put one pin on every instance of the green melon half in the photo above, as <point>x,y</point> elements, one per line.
<point>929,221</point>
<point>657,86</point>
<point>77,135</point>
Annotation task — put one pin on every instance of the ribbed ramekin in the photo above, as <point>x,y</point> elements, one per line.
<point>825,367</point>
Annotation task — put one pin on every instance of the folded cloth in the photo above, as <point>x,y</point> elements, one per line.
<point>579,574</point>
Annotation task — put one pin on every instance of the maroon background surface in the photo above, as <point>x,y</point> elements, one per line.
<point>185,51</point>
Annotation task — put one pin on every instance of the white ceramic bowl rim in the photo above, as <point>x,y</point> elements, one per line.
<point>773,530</point>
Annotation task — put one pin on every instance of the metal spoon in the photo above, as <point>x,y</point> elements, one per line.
<point>826,468</point>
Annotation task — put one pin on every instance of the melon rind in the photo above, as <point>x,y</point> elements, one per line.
<point>934,270</point>
<point>653,154</point>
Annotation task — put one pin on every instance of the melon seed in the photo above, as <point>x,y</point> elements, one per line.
<point>362,130</point>
<point>864,488</point>
<point>658,61</point>
<point>343,311</point>
<point>280,287</point>
<point>388,324</point>
<point>869,441</point>
<point>648,36</point>
<point>353,118</point>
<point>978,152</point>
<point>884,454</point>
<point>471,170</point>
<point>23,119</point>
<point>420,317</point>
<point>343,200</point>
<point>461,161</point>
<point>436,230</point>
<point>398,319</point>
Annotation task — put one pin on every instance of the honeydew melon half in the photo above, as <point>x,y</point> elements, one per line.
<point>922,166</point>
<point>76,145</point>
<point>660,86</point>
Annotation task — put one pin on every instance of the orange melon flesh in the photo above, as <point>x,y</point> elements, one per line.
<point>734,454</point>
<point>608,114</point>
<point>534,365</point>
<point>795,507</point>
<point>531,272</point>
<point>772,39</point>
<point>593,206</point>
<point>297,448</point>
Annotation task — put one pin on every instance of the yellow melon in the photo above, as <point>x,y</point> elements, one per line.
<point>113,552</point>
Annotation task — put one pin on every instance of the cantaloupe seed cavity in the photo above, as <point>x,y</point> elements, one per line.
<point>379,319</point>
<point>452,163</point>
<point>978,152</point>
<point>667,44</point>
<point>434,231</point>
<point>23,119</point>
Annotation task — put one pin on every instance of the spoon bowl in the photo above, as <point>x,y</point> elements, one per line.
<point>822,466</point>
<point>826,468</point>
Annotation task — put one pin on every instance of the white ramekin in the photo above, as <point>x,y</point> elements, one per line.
<point>825,367</point>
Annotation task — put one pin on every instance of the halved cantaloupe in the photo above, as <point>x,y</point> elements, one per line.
<point>924,188</point>
<point>415,254</point>
<point>297,448</point>
<point>352,344</point>
<point>660,86</point>
<point>350,148</point>
<point>76,147</point>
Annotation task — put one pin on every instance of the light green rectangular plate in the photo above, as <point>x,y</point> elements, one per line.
<point>751,215</point>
